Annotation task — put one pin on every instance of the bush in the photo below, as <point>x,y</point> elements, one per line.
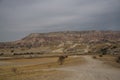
<point>118,59</point>
<point>1,54</point>
<point>103,51</point>
<point>12,51</point>
<point>100,55</point>
<point>14,70</point>
<point>61,59</point>
<point>94,57</point>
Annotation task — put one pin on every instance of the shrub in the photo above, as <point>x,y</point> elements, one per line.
<point>104,51</point>
<point>118,59</point>
<point>100,55</point>
<point>94,57</point>
<point>14,70</point>
<point>1,54</point>
<point>61,59</point>
<point>12,51</point>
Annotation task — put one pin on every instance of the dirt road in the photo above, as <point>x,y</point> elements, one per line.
<point>92,70</point>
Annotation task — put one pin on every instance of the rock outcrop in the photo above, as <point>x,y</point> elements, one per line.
<point>57,38</point>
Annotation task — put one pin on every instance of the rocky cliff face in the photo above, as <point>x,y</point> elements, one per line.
<point>57,38</point>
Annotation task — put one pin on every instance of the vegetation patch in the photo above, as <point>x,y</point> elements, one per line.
<point>42,71</point>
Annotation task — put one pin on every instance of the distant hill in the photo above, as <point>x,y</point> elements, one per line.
<point>57,38</point>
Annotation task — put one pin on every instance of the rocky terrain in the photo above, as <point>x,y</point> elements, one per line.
<point>29,58</point>
<point>68,41</point>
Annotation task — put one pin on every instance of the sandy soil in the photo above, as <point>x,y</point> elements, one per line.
<point>92,70</point>
<point>27,62</point>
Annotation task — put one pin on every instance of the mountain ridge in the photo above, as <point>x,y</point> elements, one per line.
<point>56,38</point>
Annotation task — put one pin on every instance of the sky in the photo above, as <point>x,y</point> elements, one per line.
<point>18,18</point>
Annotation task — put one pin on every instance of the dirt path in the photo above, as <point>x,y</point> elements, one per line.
<point>92,70</point>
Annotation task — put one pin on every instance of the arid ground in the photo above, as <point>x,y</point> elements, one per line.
<point>82,67</point>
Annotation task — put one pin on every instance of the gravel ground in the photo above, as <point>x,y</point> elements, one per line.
<point>93,69</point>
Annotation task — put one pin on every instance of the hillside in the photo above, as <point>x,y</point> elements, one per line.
<point>67,41</point>
<point>56,38</point>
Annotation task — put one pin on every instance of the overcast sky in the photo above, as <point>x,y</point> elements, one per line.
<point>19,18</point>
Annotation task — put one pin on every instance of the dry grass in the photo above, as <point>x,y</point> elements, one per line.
<point>94,57</point>
<point>110,60</point>
<point>31,59</point>
<point>36,75</point>
<point>36,71</point>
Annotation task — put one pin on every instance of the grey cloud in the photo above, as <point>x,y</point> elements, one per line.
<point>21,17</point>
